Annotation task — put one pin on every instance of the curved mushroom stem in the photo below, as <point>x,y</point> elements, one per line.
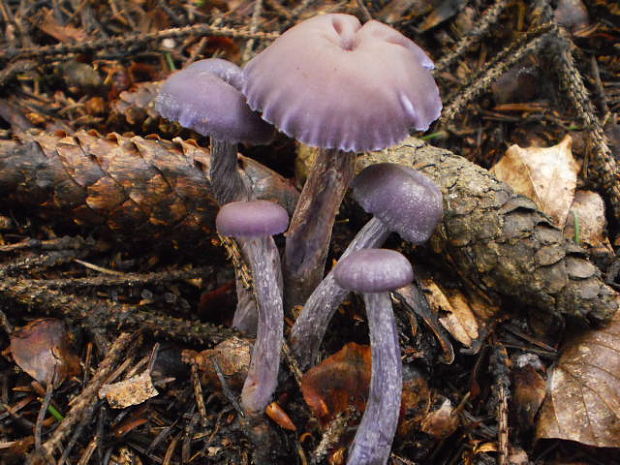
<point>373,440</point>
<point>226,182</point>
<point>262,378</point>
<point>311,324</point>
<point>307,240</point>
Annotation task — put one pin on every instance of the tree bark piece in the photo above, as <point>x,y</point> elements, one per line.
<point>501,243</point>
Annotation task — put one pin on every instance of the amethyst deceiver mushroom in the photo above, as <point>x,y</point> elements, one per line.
<point>335,84</point>
<point>402,200</point>
<point>253,223</point>
<point>373,273</point>
<point>206,97</point>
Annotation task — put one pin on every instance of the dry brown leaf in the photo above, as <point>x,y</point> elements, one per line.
<point>338,382</point>
<point>66,34</point>
<point>588,213</point>
<point>572,14</point>
<point>279,416</point>
<point>583,397</point>
<point>130,391</point>
<point>529,387</point>
<point>137,104</point>
<point>484,447</point>
<point>548,176</point>
<point>395,10</point>
<point>343,381</point>
<point>42,349</point>
<point>462,316</point>
<point>443,11</point>
<point>416,401</point>
<point>232,356</point>
<point>442,421</point>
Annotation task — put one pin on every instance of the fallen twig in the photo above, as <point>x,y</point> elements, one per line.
<point>86,398</point>
<point>134,40</point>
<point>101,313</point>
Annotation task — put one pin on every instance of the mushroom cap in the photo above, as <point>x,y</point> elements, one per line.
<point>206,97</point>
<point>405,200</point>
<point>256,218</point>
<point>332,83</point>
<point>373,270</point>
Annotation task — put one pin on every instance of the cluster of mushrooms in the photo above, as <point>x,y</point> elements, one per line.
<point>333,83</point>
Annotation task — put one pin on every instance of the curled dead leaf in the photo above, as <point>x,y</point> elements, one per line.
<point>528,389</point>
<point>48,23</point>
<point>232,356</point>
<point>416,401</point>
<point>42,349</point>
<point>279,416</point>
<point>342,381</point>
<point>583,396</point>
<point>461,315</point>
<point>442,421</point>
<point>338,382</point>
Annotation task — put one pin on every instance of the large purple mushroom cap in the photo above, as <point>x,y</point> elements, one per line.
<point>332,83</point>
<point>206,97</point>
<point>405,200</point>
<point>256,218</point>
<point>373,270</point>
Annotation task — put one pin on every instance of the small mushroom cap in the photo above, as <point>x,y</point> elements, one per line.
<point>408,202</point>
<point>206,97</point>
<point>373,270</point>
<point>332,83</point>
<point>257,218</point>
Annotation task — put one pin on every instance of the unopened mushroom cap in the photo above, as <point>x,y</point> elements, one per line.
<point>206,97</point>
<point>373,270</point>
<point>257,218</point>
<point>408,202</point>
<point>331,82</point>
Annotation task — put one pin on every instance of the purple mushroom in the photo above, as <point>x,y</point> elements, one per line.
<point>335,84</point>
<point>373,273</point>
<point>206,97</point>
<point>402,200</point>
<point>252,224</point>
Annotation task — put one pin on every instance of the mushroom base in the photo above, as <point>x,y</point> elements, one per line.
<point>373,440</point>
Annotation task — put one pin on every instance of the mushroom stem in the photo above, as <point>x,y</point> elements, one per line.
<point>226,182</point>
<point>228,186</point>
<point>309,233</point>
<point>373,440</point>
<point>311,324</point>
<point>262,378</point>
